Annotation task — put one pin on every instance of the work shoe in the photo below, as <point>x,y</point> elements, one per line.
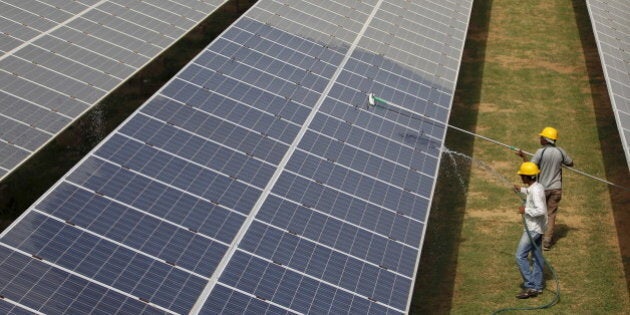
<point>546,247</point>
<point>527,293</point>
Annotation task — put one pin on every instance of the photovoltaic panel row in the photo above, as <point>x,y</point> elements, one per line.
<point>259,179</point>
<point>59,58</point>
<point>611,25</point>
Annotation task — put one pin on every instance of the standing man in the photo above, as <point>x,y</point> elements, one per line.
<point>550,159</point>
<point>535,216</point>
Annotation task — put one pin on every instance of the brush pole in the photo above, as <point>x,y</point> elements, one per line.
<point>513,148</point>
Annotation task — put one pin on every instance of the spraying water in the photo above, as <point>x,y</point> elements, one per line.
<point>452,154</point>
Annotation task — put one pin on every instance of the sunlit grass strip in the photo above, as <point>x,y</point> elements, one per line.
<point>529,72</point>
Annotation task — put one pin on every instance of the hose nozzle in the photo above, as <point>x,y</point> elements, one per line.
<point>371,99</point>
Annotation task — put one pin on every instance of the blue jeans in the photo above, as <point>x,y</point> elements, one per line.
<point>532,275</point>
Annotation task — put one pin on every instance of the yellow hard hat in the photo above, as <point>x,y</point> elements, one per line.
<point>529,169</point>
<point>550,133</point>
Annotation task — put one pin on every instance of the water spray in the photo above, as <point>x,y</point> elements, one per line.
<point>379,102</point>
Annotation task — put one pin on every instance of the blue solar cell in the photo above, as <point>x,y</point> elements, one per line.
<point>198,150</point>
<point>266,141</point>
<point>23,285</point>
<point>13,155</point>
<point>191,178</point>
<point>295,188</point>
<point>340,235</point>
<point>227,301</point>
<point>279,212</point>
<point>93,257</point>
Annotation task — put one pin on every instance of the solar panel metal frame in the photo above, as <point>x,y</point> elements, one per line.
<point>59,59</point>
<point>611,27</point>
<point>71,210</point>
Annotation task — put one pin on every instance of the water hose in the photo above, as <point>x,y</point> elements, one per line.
<point>556,298</point>
<point>379,102</point>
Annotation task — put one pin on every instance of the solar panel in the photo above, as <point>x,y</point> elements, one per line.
<point>611,25</point>
<point>259,179</point>
<point>59,58</point>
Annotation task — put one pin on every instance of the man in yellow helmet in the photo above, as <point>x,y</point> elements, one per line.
<point>550,159</point>
<point>534,213</point>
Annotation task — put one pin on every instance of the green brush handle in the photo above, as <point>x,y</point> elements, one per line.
<point>378,99</point>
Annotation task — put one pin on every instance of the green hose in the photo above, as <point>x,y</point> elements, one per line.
<point>556,297</point>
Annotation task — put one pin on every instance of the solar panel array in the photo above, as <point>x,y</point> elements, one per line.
<point>59,58</point>
<point>611,25</point>
<point>258,180</point>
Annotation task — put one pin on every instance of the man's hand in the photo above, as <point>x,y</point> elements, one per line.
<point>521,209</point>
<point>517,188</point>
<point>521,154</point>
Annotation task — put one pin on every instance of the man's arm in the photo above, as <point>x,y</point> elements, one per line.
<point>522,155</point>
<point>566,159</point>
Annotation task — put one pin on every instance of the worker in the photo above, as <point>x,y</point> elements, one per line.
<point>534,212</point>
<point>550,159</point>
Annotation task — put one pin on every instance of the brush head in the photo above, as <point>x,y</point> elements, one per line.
<point>371,99</point>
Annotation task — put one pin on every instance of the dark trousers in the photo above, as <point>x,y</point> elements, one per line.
<point>553,199</point>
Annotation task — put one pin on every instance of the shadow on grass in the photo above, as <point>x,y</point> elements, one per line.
<point>610,142</point>
<point>561,231</point>
<point>435,281</point>
<point>27,183</point>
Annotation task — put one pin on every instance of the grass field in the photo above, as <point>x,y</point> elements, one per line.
<point>527,65</point>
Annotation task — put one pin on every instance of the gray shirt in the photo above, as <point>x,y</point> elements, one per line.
<point>550,159</point>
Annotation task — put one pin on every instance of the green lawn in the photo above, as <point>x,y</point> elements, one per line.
<point>527,65</point>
